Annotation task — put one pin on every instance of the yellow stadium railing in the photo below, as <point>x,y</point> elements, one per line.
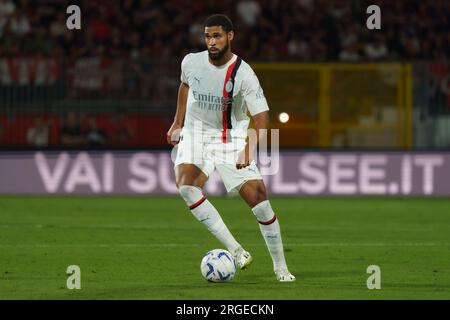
<point>340,105</point>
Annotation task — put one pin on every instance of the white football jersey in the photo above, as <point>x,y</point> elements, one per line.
<point>219,97</point>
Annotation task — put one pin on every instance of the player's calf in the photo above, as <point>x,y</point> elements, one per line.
<point>270,229</point>
<point>207,214</point>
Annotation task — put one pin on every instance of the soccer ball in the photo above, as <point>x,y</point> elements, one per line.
<point>218,266</point>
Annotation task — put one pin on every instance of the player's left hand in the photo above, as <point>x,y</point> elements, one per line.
<point>244,158</point>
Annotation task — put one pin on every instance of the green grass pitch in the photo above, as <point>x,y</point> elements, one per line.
<point>151,247</point>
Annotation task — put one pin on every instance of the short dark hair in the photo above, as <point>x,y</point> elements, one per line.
<point>219,20</point>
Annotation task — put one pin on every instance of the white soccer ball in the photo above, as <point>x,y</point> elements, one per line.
<point>218,266</point>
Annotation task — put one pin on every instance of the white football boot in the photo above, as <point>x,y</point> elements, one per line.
<point>242,258</point>
<point>283,275</point>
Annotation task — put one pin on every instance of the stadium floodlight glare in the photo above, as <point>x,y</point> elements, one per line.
<point>283,117</point>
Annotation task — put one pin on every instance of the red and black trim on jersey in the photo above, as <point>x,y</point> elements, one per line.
<point>228,97</point>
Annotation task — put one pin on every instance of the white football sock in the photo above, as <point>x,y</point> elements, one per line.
<point>270,229</point>
<point>205,212</point>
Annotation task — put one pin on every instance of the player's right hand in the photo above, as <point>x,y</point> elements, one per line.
<point>173,135</point>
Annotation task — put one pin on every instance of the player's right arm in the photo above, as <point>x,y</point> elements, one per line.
<point>173,135</point>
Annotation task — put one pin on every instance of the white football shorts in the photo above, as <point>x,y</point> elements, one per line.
<point>213,154</point>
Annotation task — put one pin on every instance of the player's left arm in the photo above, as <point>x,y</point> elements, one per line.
<point>257,106</point>
<point>261,122</point>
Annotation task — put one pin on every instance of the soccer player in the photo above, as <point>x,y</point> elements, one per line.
<point>210,130</point>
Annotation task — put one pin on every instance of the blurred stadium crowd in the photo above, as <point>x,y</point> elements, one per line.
<point>114,82</point>
<point>268,30</point>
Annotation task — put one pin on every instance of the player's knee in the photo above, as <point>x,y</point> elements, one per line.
<point>253,193</point>
<point>179,181</point>
<point>259,195</point>
<point>190,194</point>
<point>186,180</point>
